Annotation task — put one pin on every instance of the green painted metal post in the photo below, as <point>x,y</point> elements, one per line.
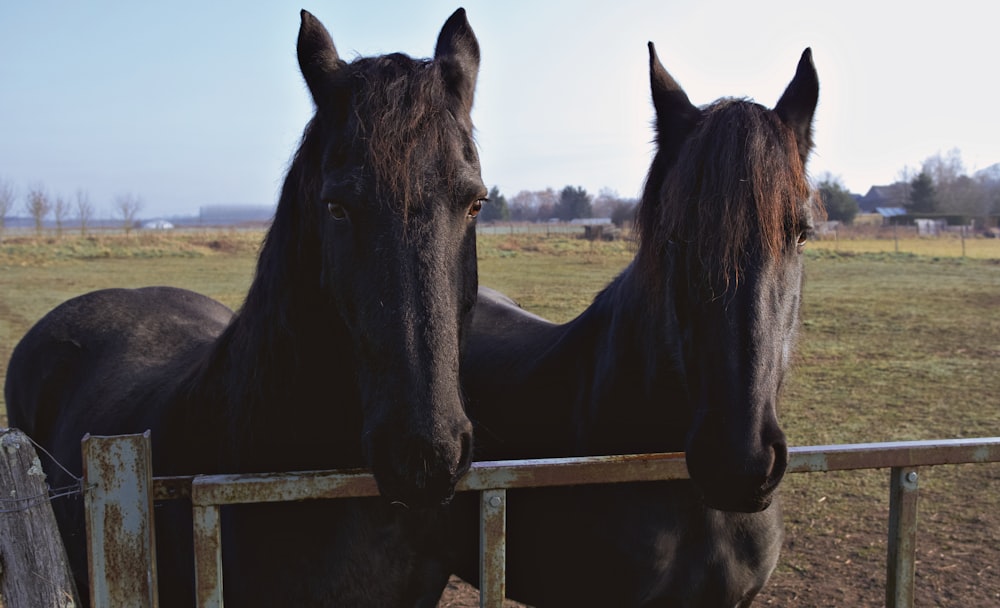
<point>493,547</point>
<point>901,559</point>
<point>208,555</point>
<point>118,498</point>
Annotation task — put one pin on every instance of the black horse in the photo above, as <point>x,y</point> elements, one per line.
<point>345,352</point>
<point>686,350</point>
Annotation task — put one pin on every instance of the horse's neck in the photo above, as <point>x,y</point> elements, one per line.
<point>587,386</point>
<point>278,380</point>
<point>636,365</point>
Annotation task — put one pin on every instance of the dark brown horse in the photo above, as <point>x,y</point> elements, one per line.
<point>686,350</point>
<point>345,352</point>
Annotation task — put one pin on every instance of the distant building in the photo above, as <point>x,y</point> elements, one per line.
<point>228,215</point>
<point>157,225</point>
<point>591,221</point>
<point>930,227</point>
<point>893,195</point>
<point>888,214</point>
<point>597,228</point>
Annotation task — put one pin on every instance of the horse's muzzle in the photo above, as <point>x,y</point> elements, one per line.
<point>416,471</point>
<point>736,480</point>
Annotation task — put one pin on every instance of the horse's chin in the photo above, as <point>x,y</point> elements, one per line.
<point>412,501</point>
<point>425,492</point>
<point>739,504</point>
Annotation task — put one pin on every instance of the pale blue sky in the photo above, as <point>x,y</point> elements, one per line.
<point>191,103</point>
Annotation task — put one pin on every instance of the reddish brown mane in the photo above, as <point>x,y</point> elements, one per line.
<point>738,185</point>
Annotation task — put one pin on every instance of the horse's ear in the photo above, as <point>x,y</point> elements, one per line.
<point>798,103</point>
<point>318,58</point>
<point>676,116</point>
<point>457,52</point>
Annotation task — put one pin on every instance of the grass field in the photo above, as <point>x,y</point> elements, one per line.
<point>893,347</point>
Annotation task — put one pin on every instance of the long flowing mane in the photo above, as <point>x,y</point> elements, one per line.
<point>737,185</point>
<point>392,106</point>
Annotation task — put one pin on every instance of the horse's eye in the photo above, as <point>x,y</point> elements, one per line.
<point>803,237</point>
<point>477,206</point>
<point>337,212</point>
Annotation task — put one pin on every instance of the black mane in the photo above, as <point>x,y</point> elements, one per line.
<point>408,110</point>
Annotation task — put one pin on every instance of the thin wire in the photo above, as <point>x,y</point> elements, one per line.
<point>79,478</point>
<point>29,502</point>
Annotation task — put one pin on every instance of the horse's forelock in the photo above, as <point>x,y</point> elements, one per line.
<point>403,115</point>
<point>396,115</point>
<point>394,109</point>
<point>737,185</point>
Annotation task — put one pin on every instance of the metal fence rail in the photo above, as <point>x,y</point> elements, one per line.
<point>492,479</point>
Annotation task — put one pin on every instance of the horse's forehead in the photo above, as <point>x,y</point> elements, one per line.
<point>400,141</point>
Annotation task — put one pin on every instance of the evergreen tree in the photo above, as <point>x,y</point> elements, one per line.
<point>496,210</point>
<point>839,203</point>
<point>923,198</point>
<point>573,203</point>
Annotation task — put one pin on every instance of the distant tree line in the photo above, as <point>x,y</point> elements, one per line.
<point>39,205</point>
<point>570,203</point>
<point>940,187</point>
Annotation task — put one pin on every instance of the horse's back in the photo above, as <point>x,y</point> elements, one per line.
<point>503,343</point>
<point>95,350</point>
<point>497,309</point>
<point>500,325</point>
<point>108,362</point>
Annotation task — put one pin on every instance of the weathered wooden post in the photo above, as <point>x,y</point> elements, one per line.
<point>33,566</point>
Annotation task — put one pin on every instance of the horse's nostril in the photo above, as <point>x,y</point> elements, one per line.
<point>779,460</point>
<point>465,457</point>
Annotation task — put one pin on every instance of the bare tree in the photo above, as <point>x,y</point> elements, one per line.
<point>533,206</point>
<point>547,199</point>
<point>945,171</point>
<point>989,181</point>
<point>128,206</point>
<point>38,206</point>
<point>84,210</point>
<point>604,202</point>
<point>904,181</point>
<point>7,197</point>
<point>60,212</point>
<point>969,196</point>
<point>609,204</point>
<point>522,206</point>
